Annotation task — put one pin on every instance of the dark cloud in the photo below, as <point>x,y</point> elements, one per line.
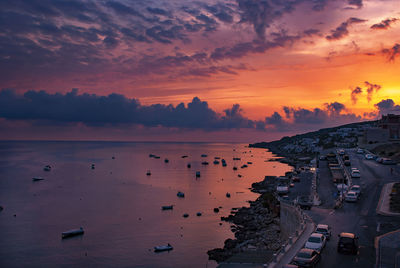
<point>302,119</point>
<point>311,32</point>
<point>157,11</point>
<point>242,49</point>
<point>383,25</point>
<point>335,107</point>
<point>357,3</point>
<point>342,31</point>
<point>387,106</point>
<point>370,89</point>
<point>261,14</point>
<point>93,110</point>
<point>354,94</point>
<point>393,52</point>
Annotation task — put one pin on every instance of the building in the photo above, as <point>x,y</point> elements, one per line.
<point>391,122</point>
<point>388,129</point>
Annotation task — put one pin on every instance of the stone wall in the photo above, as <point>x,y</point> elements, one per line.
<point>291,220</point>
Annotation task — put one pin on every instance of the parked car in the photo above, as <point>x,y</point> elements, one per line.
<point>351,196</point>
<point>388,161</point>
<point>342,187</point>
<point>360,151</point>
<point>316,241</point>
<point>285,198</point>
<point>306,258</point>
<point>304,202</point>
<point>369,157</point>
<point>379,159</point>
<point>322,157</point>
<point>348,243</point>
<point>325,230</point>
<point>347,162</point>
<point>356,189</point>
<point>282,189</point>
<point>355,173</point>
<point>341,152</point>
<point>295,179</point>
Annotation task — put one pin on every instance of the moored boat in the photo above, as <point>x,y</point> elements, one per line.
<point>163,248</point>
<point>167,207</point>
<point>73,232</point>
<point>47,168</point>
<point>37,179</point>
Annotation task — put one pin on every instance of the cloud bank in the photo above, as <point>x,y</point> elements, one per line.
<point>116,109</point>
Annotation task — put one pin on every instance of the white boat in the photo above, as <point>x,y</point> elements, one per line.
<point>73,232</point>
<point>163,248</point>
<point>37,179</point>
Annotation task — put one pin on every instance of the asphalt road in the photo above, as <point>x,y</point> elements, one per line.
<point>359,218</point>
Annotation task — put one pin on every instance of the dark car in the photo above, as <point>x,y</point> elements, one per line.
<point>295,179</point>
<point>306,258</point>
<point>304,202</point>
<point>348,243</point>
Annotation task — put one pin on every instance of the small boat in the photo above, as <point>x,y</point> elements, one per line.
<point>73,232</point>
<point>198,214</point>
<point>180,194</point>
<point>163,248</point>
<point>228,195</point>
<point>189,165</point>
<point>166,160</point>
<point>204,163</point>
<point>113,157</point>
<point>37,179</point>
<point>157,157</point>
<point>216,162</point>
<point>249,163</point>
<point>185,215</point>
<point>216,210</point>
<point>236,158</point>
<point>234,168</point>
<point>217,157</point>
<point>93,166</point>
<point>148,173</point>
<point>239,175</point>
<point>244,166</point>
<point>167,207</point>
<point>47,168</point>
<point>203,155</point>
<point>197,174</point>
<point>184,156</point>
<point>224,164</point>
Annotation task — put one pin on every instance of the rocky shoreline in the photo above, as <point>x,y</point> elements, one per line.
<point>256,227</point>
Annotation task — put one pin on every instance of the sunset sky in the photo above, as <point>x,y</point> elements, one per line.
<point>236,70</point>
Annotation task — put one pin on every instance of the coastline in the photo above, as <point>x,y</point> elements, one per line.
<point>256,228</point>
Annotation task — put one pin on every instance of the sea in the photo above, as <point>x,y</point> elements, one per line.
<point>118,205</point>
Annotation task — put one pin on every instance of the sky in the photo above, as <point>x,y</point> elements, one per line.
<point>180,70</point>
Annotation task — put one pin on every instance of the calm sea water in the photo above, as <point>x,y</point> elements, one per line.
<point>118,206</point>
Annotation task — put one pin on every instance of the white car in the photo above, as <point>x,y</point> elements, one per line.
<point>342,187</point>
<point>356,189</point>
<point>351,197</point>
<point>355,173</point>
<point>369,157</point>
<point>324,229</point>
<point>316,242</point>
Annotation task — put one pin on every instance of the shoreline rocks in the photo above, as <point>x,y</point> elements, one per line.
<point>254,227</point>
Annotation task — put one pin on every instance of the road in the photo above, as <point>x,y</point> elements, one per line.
<point>359,218</point>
